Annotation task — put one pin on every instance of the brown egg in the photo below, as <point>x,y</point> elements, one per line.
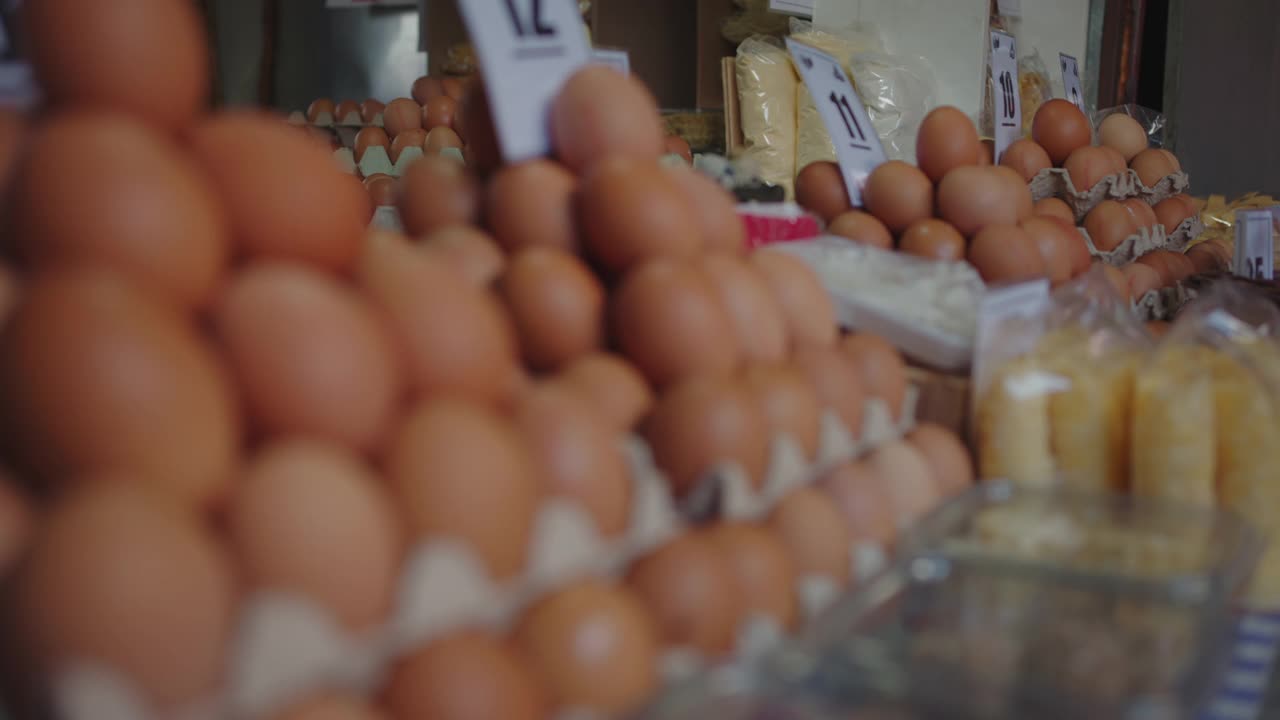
<point>466,675</point>
<point>837,381</point>
<point>864,502</point>
<point>440,138</point>
<point>933,239</point>
<point>704,421</point>
<point>1124,134</point>
<point>948,458</point>
<point>913,492</point>
<point>1055,208</point>
<point>614,386</point>
<point>425,88</point>
<point>1109,224</point>
<point>331,707</point>
<point>1153,166</point>
<point>104,190</point>
<point>691,593</point>
<point>97,374</point>
<point>347,111</point>
<point>455,336</point>
<point>789,403</point>
<point>311,355</point>
<point>758,322</point>
<point>319,106</point>
<point>881,368</point>
<point>1026,158</point>
<point>1142,279</point>
<point>401,114</point>
<point>898,194</point>
<point>862,228</point>
<point>454,87</point>
<point>1173,160</point>
<point>1088,166</point>
<point>1171,213</point>
<point>971,198</point>
<point>149,59</point>
<point>556,305</point>
<point>666,317</point>
<point>714,209</point>
<point>370,137</point>
<point>1006,253</point>
<point>454,461</point>
<point>1017,190</point>
<point>412,138</point>
<point>1209,257</point>
<point>10,292</point>
<point>593,645</point>
<point>439,112</point>
<point>285,198</point>
<point>1118,164</point>
<point>1081,259</point>
<point>676,145</point>
<point>820,189</point>
<point>435,192</point>
<point>475,125</point>
<point>370,109</point>
<point>468,251</point>
<point>1158,328</point>
<point>1061,129</point>
<point>120,577</point>
<point>17,523</point>
<point>322,137</point>
<point>1115,278</point>
<point>816,534</point>
<point>382,189</point>
<point>810,315</point>
<point>1143,215</point>
<point>630,211</point>
<point>763,570</point>
<point>1055,247</point>
<point>599,114</point>
<point>312,519</point>
<point>532,204</point>
<point>1193,205</point>
<point>947,140</point>
<point>1173,267</point>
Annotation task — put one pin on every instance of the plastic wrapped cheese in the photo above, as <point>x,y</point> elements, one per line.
<point>767,108</point>
<point>813,142</point>
<point>1173,427</point>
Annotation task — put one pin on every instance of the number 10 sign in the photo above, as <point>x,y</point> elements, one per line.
<point>858,147</point>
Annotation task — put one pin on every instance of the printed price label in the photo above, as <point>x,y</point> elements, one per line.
<point>1071,80</point>
<point>858,148</point>
<point>1255,245</point>
<point>1006,95</point>
<point>619,60</point>
<point>528,49</point>
<point>799,8</point>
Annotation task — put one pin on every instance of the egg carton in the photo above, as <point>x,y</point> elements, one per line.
<point>1163,303</point>
<point>1147,240</point>
<point>1056,183</point>
<point>387,217</point>
<point>326,120</point>
<point>376,160</point>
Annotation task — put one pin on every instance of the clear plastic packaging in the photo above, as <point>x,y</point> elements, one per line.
<point>1151,120</point>
<point>767,106</point>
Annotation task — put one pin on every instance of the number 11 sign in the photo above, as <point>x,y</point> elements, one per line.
<point>858,148</point>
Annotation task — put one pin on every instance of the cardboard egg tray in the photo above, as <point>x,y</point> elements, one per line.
<point>1056,183</point>
<point>1148,240</point>
<point>1164,303</point>
<point>287,646</point>
<point>377,160</point>
<point>327,120</point>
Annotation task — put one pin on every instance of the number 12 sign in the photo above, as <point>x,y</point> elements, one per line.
<point>858,147</point>
<point>528,49</point>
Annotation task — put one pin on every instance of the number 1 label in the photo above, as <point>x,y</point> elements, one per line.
<point>528,49</point>
<point>858,148</point>
<point>1255,246</point>
<point>1007,97</point>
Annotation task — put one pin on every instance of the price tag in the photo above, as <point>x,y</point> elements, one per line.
<point>1006,95</point>
<point>619,60</point>
<point>528,49</point>
<point>1071,80</point>
<point>1255,246</point>
<point>799,8</point>
<point>999,308</point>
<point>858,148</point>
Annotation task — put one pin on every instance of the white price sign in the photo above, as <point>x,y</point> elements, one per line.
<point>1255,246</point>
<point>799,8</point>
<point>858,148</point>
<point>619,60</point>
<point>1006,95</point>
<point>528,49</point>
<point>1071,80</point>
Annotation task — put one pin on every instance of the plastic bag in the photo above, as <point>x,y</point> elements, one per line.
<point>813,142</point>
<point>1150,120</point>
<point>767,106</point>
<point>1033,85</point>
<point>750,18</point>
<point>898,93</point>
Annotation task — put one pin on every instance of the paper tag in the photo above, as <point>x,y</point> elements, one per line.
<point>1006,95</point>
<point>799,8</point>
<point>1000,305</point>
<point>619,60</point>
<point>1009,8</point>
<point>1255,247</point>
<point>528,49</point>
<point>1071,80</point>
<point>858,148</point>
